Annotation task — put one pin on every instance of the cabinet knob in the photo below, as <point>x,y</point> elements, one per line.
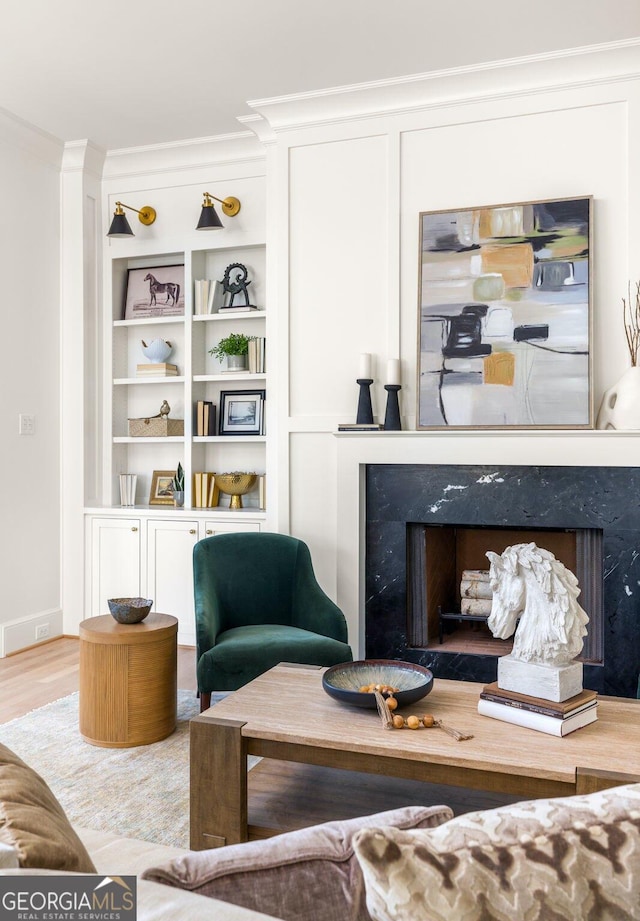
<point>209,531</point>
<point>192,530</point>
<point>134,529</point>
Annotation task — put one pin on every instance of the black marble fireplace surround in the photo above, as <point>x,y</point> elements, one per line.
<point>399,496</point>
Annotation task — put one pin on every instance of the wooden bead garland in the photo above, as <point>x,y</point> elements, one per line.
<point>427,721</point>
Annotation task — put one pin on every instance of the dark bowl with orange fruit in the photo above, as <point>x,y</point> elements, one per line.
<point>354,683</point>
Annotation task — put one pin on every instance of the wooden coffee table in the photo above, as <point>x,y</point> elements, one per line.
<point>286,715</point>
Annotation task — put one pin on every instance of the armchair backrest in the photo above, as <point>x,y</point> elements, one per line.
<point>247,578</point>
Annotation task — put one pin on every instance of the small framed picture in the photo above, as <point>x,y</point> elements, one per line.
<point>162,487</point>
<point>242,412</point>
<point>154,292</point>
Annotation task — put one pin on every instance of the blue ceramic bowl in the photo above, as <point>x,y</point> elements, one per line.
<point>129,610</point>
<point>344,681</point>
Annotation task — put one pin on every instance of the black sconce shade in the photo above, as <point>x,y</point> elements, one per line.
<point>120,226</point>
<point>209,219</point>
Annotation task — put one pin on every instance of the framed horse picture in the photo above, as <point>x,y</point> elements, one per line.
<point>157,291</point>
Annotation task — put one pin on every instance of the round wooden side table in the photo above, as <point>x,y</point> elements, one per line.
<point>128,680</point>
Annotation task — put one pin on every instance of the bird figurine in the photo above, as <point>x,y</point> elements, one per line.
<point>165,409</point>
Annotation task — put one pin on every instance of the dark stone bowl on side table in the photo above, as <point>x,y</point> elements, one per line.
<point>129,610</point>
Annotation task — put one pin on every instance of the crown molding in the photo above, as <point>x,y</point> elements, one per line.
<point>553,71</point>
<point>19,133</point>
<point>260,127</point>
<point>190,154</point>
<point>83,156</point>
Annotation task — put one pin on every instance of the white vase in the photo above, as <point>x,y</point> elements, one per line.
<point>128,489</point>
<point>157,350</point>
<point>620,407</point>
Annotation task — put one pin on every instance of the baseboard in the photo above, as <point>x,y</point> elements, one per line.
<point>23,632</point>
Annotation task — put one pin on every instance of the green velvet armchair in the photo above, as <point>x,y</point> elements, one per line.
<point>258,603</point>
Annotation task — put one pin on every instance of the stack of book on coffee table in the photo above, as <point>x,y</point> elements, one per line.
<point>556,719</point>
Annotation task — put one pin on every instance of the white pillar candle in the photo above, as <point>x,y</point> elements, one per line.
<point>364,366</point>
<point>393,371</point>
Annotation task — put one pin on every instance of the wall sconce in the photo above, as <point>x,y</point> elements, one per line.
<point>120,226</point>
<point>209,219</point>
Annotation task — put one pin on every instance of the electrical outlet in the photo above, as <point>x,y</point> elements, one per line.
<point>42,631</point>
<point>26,424</point>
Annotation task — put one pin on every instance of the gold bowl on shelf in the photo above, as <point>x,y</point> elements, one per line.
<point>235,485</point>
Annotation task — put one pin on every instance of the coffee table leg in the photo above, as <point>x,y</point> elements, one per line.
<point>218,792</point>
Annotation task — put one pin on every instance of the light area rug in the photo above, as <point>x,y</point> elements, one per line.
<point>140,792</point>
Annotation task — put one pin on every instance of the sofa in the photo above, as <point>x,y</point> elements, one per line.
<point>574,858</point>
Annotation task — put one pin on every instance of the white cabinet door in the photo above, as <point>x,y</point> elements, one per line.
<point>115,561</point>
<point>170,572</point>
<point>229,527</point>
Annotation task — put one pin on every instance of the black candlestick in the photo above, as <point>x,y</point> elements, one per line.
<point>392,415</point>
<point>365,410</point>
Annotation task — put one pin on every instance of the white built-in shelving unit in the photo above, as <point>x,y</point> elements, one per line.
<point>200,377</point>
<point>146,550</point>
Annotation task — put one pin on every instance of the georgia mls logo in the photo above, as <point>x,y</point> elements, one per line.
<point>68,898</point>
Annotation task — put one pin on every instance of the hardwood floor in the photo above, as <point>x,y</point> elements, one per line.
<point>49,671</point>
<point>281,795</point>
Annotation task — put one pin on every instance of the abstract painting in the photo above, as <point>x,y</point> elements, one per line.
<point>504,316</point>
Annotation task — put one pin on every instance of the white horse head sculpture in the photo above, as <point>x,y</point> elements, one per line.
<point>530,584</point>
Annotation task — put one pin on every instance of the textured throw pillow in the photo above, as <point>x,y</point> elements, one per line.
<point>33,823</point>
<point>298,876</point>
<point>575,858</point>
<point>8,857</point>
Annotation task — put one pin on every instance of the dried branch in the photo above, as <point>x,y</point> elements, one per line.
<point>631,316</point>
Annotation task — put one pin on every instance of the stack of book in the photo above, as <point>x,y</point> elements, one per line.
<point>205,492</point>
<point>157,369</point>
<point>208,296</point>
<point>262,491</point>
<point>205,418</point>
<point>237,308</point>
<point>359,427</point>
<point>256,355</point>
<point>475,592</point>
<point>556,719</point>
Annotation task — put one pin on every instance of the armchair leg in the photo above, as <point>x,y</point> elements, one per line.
<point>205,700</point>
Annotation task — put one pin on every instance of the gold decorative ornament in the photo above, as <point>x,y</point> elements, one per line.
<point>235,485</point>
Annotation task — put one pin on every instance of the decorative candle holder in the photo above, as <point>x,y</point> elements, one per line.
<point>365,410</point>
<point>392,415</point>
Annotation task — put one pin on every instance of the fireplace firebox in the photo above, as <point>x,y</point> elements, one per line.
<point>426,523</point>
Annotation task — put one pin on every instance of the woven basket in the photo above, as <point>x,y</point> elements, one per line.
<point>160,426</point>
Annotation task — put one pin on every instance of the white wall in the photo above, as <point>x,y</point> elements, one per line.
<point>29,243</point>
<point>357,167</point>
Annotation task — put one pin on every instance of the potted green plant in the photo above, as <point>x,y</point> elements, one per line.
<point>177,485</point>
<point>234,348</point>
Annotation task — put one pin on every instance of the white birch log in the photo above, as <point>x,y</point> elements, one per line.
<point>475,606</point>
<point>472,588</point>
<point>475,575</point>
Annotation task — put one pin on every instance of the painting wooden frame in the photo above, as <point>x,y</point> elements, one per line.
<point>154,291</point>
<point>242,412</point>
<point>161,492</point>
<point>505,317</point>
